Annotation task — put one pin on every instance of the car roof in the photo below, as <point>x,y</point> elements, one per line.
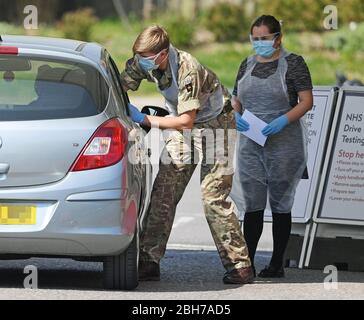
<point>92,51</point>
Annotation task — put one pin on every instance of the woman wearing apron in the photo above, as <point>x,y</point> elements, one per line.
<point>276,86</point>
<point>196,100</point>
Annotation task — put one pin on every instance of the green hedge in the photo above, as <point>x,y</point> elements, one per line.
<point>308,15</point>
<point>346,40</point>
<point>227,21</point>
<point>78,24</point>
<point>181,31</point>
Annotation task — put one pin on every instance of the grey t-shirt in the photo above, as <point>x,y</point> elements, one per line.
<point>298,77</point>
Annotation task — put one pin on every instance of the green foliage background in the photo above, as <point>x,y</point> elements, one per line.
<point>218,37</point>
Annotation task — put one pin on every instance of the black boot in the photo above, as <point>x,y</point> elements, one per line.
<point>271,272</point>
<point>149,271</point>
<point>239,276</point>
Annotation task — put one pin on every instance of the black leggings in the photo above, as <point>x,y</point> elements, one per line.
<point>253,228</point>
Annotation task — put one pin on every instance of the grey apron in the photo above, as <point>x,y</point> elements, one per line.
<point>277,168</point>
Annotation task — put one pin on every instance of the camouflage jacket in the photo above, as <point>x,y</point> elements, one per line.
<point>194,80</point>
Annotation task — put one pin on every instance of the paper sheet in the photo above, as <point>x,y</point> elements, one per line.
<point>256,127</point>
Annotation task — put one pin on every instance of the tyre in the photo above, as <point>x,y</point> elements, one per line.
<point>121,272</point>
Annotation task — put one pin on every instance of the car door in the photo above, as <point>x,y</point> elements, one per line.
<point>140,145</point>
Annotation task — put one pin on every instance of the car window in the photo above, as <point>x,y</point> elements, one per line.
<point>116,77</point>
<point>37,89</point>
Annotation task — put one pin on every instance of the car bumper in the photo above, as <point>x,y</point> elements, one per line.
<point>73,220</point>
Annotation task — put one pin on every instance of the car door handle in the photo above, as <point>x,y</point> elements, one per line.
<point>4,168</point>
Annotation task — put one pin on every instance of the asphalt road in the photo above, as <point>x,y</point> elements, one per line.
<point>191,270</point>
<point>186,275</point>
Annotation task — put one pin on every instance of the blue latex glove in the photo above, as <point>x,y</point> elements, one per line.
<point>276,126</point>
<point>136,115</point>
<point>241,124</point>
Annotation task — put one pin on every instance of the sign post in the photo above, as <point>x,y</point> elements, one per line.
<point>340,196</point>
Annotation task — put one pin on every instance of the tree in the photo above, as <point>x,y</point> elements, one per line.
<point>147,9</point>
<point>119,8</point>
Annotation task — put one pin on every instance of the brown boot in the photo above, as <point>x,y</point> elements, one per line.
<point>239,276</point>
<point>149,271</point>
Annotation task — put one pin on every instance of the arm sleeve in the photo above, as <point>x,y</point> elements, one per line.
<point>189,91</point>
<point>241,72</point>
<point>300,75</point>
<point>132,76</point>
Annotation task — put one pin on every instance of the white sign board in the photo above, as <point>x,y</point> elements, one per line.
<point>341,198</point>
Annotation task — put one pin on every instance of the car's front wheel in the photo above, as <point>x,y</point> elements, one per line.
<point>121,271</point>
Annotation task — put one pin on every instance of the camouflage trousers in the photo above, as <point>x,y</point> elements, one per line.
<point>216,183</point>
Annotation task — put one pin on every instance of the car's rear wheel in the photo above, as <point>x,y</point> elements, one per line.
<point>121,272</point>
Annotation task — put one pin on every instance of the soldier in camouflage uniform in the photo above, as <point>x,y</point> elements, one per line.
<point>199,103</point>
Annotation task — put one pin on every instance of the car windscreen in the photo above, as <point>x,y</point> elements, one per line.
<point>39,89</point>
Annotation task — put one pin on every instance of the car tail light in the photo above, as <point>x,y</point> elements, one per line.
<point>106,147</point>
<point>9,50</point>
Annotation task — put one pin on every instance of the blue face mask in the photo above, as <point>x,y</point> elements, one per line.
<point>264,48</point>
<point>148,65</point>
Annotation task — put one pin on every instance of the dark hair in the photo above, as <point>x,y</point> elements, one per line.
<point>271,22</point>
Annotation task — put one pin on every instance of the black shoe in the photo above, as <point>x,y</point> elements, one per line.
<point>149,271</point>
<point>239,276</point>
<point>271,272</point>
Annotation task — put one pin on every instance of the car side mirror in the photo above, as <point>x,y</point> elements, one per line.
<point>153,111</point>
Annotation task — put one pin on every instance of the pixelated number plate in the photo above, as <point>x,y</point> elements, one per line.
<point>17,215</point>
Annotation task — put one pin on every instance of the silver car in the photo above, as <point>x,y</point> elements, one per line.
<point>67,185</point>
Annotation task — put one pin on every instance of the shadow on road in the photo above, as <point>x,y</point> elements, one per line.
<point>182,271</point>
